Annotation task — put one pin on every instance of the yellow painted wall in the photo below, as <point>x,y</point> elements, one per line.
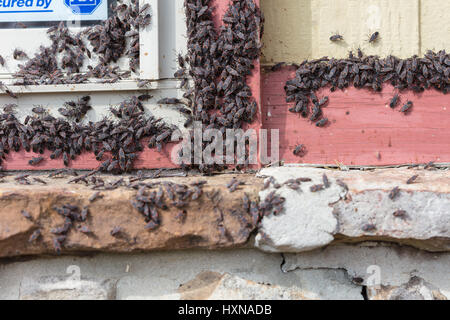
<point>300,29</point>
<point>287,30</point>
<point>435,25</point>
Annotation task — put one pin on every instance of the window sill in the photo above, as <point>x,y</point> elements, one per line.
<point>124,85</point>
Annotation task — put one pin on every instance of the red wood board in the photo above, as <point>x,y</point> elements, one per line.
<point>362,125</point>
<point>254,80</point>
<point>149,158</point>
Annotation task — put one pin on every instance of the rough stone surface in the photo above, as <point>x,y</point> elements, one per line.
<point>415,289</point>
<point>306,223</point>
<point>188,274</point>
<point>235,288</point>
<point>312,220</point>
<point>323,284</point>
<point>337,272</point>
<point>392,272</point>
<point>201,287</point>
<point>200,229</point>
<point>309,221</point>
<point>58,288</point>
<point>214,286</point>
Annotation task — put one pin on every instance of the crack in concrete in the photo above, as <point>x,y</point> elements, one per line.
<point>364,292</point>
<point>350,279</point>
<point>283,262</point>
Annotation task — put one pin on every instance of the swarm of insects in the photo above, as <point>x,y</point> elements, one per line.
<point>67,140</point>
<point>368,72</point>
<point>151,199</point>
<point>219,65</point>
<point>71,214</point>
<point>272,204</point>
<point>76,110</point>
<point>63,61</point>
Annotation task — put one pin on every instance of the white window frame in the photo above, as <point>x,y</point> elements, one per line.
<point>149,44</point>
<point>152,60</point>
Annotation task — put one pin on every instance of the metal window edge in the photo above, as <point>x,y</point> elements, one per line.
<point>124,85</point>
<point>149,44</point>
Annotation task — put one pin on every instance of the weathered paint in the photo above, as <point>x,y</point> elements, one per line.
<point>434,25</point>
<point>296,30</point>
<point>369,128</point>
<point>149,158</point>
<point>396,21</point>
<point>254,80</point>
<point>287,30</point>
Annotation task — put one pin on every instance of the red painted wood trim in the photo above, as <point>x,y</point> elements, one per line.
<point>254,81</point>
<point>362,125</point>
<point>149,158</point>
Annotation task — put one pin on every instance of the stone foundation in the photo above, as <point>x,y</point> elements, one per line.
<point>316,248</point>
<point>337,272</point>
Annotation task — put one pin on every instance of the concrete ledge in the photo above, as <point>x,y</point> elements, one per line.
<point>181,275</point>
<point>357,206</point>
<point>211,221</point>
<point>389,272</point>
<point>360,207</point>
<point>351,272</point>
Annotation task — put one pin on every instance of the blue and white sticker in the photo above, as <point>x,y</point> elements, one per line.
<point>83,7</point>
<point>52,10</point>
